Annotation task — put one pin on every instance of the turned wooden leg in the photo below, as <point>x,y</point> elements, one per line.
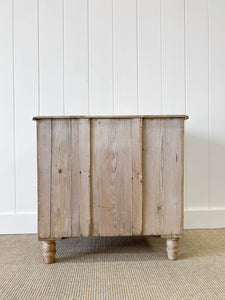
<point>49,250</point>
<point>172,245</point>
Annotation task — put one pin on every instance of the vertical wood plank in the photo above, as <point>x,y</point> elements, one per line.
<point>136,148</point>
<point>163,176</point>
<point>173,169</point>
<point>44,138</point>
<point>75,178</point>
<point>7,187</point>
<point>76,57</point>
<point>125,57</point>
<point>173,80</point>
<point>196,141</point>
<point>149,57</point>
<point>26,101</point>
<point>61,179</point>
<point>152,199</point>
<point>111,167</point>
<point>81,216</point>
<point>100,57</point>
<point>51,56</point>
<point>217,103</point>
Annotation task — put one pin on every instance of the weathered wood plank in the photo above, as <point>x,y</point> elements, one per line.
<point>163,177</point>
<point>44,177</point>
<point>174,176</point>
<point>111,177</point>
<point>61,179</point>
<point>152,201</point>
<point>75,179</point>
<point>136,148</point>
<point>80,201</point>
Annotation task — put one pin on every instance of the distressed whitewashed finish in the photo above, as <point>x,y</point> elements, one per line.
<point>110,176</point>
<point>70,57</point>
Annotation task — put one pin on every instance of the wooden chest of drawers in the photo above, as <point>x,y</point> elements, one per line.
<point>110,176</point>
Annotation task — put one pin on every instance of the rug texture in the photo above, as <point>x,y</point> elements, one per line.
<point>114,268</point>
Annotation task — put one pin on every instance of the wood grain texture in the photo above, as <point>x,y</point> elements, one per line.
<point>61,179</point>
<point>111,177</point>
<point>136,148</point>
<point>44,177</point>
<point>80,201</point>
<point>163,177</point>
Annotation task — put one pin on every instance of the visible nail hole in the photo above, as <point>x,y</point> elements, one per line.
<point>60,171</point>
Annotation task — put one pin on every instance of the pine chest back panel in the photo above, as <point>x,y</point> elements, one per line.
<point>110,176</point>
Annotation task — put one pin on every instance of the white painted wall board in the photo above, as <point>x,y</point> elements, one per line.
<point>100,57</point>
<point>119,41</point>
<point>51,57</point>
<point>149,57</point>
<point>173,72</point>
<point>26,102</point>
<point>7,183</point>
<point>197,90</point>
<point>125,57</point>
<point>217,103</point>
<point>76,57</point>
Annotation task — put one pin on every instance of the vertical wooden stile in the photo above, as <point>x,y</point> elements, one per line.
<point>81,215</point>
<point>152,201</point>
<point>174,176</point>
<point>116,176</point>
<point>163,176</point>
<point>44,177</point>
<point>61,179</point>
<point>136,147</point>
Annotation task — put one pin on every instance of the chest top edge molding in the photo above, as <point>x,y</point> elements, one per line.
<point>185,117</point>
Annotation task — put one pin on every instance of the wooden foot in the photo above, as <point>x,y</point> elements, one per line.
<point>49,250</point>
<point>172,245</point>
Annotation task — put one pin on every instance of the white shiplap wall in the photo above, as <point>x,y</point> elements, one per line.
<point>112,57</point>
